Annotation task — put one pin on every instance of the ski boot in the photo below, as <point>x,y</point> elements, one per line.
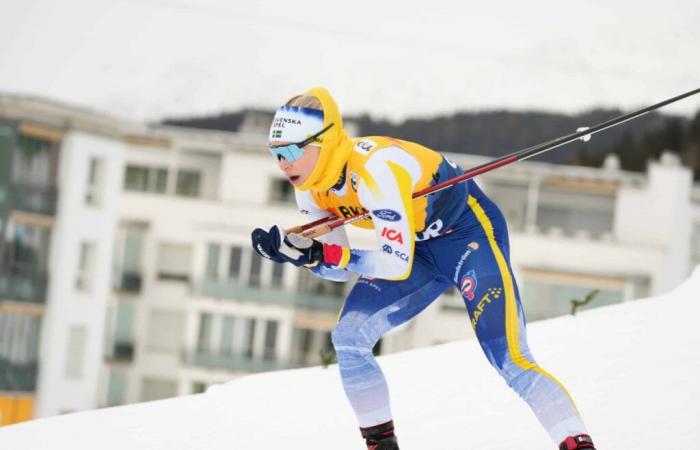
<point>578,442</point>
<point>380,437</point>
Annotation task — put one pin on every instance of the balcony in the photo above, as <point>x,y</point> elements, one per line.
<point>33,199</point>
<point>272,296</point>
<point>17,377</point>
<point>129,282</point>
<point>234,363</point>
<point>121,352</point>
<point>23,283</point>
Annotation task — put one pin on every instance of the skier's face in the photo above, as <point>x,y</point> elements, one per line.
<point>298,171</point>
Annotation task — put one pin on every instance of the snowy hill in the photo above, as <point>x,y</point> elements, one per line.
<point>633,368</point>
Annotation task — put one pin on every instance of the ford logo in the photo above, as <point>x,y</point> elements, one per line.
<point>387,214</point>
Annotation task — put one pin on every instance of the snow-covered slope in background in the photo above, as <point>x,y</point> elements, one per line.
<point>633,368</point>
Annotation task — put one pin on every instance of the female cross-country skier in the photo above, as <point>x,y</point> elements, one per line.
<point>453,237</point>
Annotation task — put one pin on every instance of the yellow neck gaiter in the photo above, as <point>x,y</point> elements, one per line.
<point>335,148</point>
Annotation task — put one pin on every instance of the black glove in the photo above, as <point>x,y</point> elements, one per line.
<point>295,249</point>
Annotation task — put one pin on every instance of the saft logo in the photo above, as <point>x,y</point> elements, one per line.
<point>387,214</point>
<point>469,285</point>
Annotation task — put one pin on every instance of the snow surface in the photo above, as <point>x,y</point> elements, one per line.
<point>633,368</point>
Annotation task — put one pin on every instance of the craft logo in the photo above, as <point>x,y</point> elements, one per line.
<point>387,214</point>
<point>276,134</point>
<point>490,295</point>
<point>392,235</point>
<point>468,285</point>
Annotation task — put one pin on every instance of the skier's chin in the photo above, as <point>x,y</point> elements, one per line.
<point>296,180</point>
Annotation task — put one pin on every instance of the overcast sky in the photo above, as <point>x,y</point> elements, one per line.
<point>148,59</point>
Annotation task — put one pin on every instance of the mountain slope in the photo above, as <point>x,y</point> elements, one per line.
<point>633,369</point>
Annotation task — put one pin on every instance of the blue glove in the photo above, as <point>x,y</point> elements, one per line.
<point>295,249</point>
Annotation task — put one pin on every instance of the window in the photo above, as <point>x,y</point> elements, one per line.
<point>93,193</point>
<point>204,335</point>
<point>124,329</point>
<point>188,183</point>
<point>128,277</point>
<point>75,352</point>
<point>157,389</point>
<point>227,336</point>
<point>199,387</point>
<point>511,198</point>
<point>212,267</point>
<point>86,264</point>
<point>29,246</point>
<point>174,262</point>
<point>165,330</point>
<point>308,282</point>
<point>234,266</point>
<point>19,339</point>
<point>34,164</point>
<point>574,211</point>
<point>255,266</point>
<point>277,274</point>
<point>282,191</point>
<point>270,340</point>
<point>116,388</point>
<point>250,338</point>
<point>695,245</point>
<point>6,146</point>
<point>549,294</point>
<point>145,179</point>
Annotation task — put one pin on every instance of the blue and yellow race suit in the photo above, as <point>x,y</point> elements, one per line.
<point>453,237</point>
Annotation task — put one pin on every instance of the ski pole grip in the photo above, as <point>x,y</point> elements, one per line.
<point>313,233</point>
<point>299,229</point>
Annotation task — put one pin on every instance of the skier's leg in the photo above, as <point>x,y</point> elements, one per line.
<point>497,317</point>
<point>373,307</point>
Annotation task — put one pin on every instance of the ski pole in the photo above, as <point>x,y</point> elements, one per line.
<point>322,226</point>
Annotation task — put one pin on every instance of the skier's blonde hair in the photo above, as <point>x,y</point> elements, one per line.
<point>305,101</point>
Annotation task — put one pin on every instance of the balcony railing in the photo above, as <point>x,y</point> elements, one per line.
<point>17,377</point>
<point>34,199</point>
<point>129,282</point>
<point>234,363</point>
<point>21,283</point>
<point>122,352</point>
<point>273,296</point>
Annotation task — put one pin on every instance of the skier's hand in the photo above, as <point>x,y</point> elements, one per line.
<point>310,248</point>
<point>295,249</point>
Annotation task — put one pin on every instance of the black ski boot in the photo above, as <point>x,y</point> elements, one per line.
<point>578,442</point>
<point>380,437</point>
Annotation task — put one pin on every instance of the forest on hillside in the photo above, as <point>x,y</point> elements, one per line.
<point>499,132</point>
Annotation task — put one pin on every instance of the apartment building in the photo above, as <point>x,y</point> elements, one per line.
<point>59,183</point>
<point>152,289</point>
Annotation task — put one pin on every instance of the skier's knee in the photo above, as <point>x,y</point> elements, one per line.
<point>347,338</point>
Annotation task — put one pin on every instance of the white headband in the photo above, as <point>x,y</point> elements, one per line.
<point>294,123</point>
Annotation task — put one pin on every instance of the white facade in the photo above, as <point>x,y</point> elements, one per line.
<point>180,301</point>
<point>71,358</point>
